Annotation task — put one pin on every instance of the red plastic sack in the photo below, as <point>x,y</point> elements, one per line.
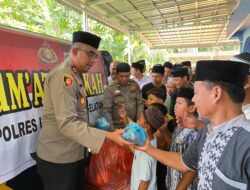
<point>110,168</point>
<point>126,158</point>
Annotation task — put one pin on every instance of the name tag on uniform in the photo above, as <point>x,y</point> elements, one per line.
<point>117,91</point>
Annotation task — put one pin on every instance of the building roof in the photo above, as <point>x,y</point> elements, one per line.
<point>165,24</point>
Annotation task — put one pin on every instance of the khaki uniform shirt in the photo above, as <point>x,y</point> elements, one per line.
<point>65,130</point>
<point>115,95</point>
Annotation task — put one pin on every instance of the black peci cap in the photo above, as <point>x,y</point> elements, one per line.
<point>122,68</point>
<point>158,69</point>
<point>231,72</point>
<point>179,72</point>
<point>186,63</point>
<point>86,38</point>
<point>184,92</point>
<point>243,57</point>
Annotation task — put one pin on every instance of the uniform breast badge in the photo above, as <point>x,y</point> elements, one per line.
<point>68,80</point>
<point>117,91</point>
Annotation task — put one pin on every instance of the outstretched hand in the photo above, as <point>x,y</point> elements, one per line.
<point>116,137</point>
<point>122,112</point>
<point>123,115</point>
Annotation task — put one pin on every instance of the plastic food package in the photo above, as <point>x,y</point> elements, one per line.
<point>102,123</point>
<point>135,133</point>
<point>110,169</point>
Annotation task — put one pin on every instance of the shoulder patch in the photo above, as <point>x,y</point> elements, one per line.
<point>135,87</point>
<point>68,80</point>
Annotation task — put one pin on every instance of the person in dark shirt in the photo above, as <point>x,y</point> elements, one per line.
<point>181,79</point>
<point>157,77</point>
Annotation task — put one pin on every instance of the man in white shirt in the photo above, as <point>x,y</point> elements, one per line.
<point>167,72</point>
<point>137,73</point>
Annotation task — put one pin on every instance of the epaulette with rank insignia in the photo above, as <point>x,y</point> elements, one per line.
<point>73,68</point>
<point>135,86</point>
<point>79,81</point>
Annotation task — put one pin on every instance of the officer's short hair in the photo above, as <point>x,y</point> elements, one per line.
<point>122,67</point>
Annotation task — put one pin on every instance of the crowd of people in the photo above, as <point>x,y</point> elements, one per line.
<point>197,134</point>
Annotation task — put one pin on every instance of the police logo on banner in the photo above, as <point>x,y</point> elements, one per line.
<point>47,55</point>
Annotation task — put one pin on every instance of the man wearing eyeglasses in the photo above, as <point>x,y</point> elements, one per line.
<point>65,132</point>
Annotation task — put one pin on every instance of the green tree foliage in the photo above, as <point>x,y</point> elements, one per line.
<point>41,16</point>
<point>54,19</point>
<point>117,44</point>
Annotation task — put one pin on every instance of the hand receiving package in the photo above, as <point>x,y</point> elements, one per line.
<point>102,123</point>
<point>135,133</point>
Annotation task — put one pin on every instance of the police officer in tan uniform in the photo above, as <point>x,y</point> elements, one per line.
<point>65,132</point>
<point>123,92</point>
